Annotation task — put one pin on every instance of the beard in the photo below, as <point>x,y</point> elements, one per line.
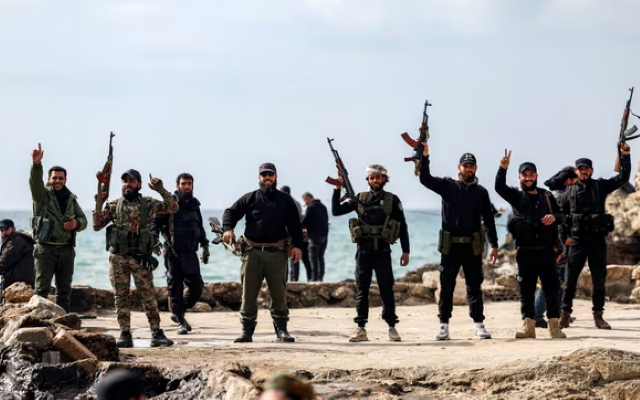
<point>185,195</point>
<point>269,189</point>
<point>378,189</point>
<point>130,196</point>
<point>529,189</point>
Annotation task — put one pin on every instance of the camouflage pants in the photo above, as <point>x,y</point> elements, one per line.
<point>121,268</point>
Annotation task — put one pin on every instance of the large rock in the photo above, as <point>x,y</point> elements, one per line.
<point>635,274</point>
<point>416,276</point>
<point>343,292</point>
<point>431,279</point>
<point>201,307</point>
<point>70,347</point>
<point>508,281</point>
<point>623,243</point>
<point>39,338</point>
<point>24,321</point>
<point>618,283</point>
<point>71,321</point>
<point>40,303</point>
<point>102,345</point>
<point>19,292</point>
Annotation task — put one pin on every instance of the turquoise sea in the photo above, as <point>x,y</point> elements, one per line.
<point>92,258</point>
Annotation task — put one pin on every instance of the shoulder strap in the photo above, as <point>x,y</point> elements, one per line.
<point>546,196</point>
<point>144,212</point>
<point>119,206</point>
<point>573,194</point>
<point>595,193</point>
<point>364,197</point>
<point>387,205</point>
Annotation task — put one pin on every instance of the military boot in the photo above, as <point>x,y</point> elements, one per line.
<point>158,339</point>
<point>528,330</point>
<point>247,333</point>
<point>600,323</point>
<point>181,321</point>
<point>281,333</point>
<point>125,340</point>
<point>565,319</point>
<point>554,329</point>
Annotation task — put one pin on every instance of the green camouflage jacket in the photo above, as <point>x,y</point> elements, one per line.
<point>42,195</point>
<point>132,209</point>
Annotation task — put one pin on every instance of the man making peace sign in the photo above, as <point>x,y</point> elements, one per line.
<point>535,230</point>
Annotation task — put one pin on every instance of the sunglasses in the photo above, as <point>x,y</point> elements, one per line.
<point>264,174</point>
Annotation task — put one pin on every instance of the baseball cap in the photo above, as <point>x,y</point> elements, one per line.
<point>132,174</point>
<point>468,158</point>
<point>527,165</point>
<point>6,223</point>
<point>268,167</point>
<point>584,162</point>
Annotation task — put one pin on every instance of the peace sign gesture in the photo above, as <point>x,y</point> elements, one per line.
<point>37,154</point>
<point>504,162</point>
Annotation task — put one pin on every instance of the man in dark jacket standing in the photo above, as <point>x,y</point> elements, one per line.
<point>184,233</point>
<point>465,205</point>
<point>16,256</point>
<point>271,218</point>
<point>380,224</point>
<point>316,223</point>
<point>535,230</point>
<point>588,225</point>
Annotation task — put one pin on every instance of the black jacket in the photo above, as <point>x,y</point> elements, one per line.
<point>374,217</point>
<point>16,260</point>
<point>529,209</point>
<point>464,206</point>
<point>590,197</point>
<point>316,220</point>
<point>270,216</point>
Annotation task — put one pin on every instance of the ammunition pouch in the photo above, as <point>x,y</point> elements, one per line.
<point>121,241</point>
<point>598,224</point>
<point>388,233</point>
<point>446,240</point>
<point>42,228</point>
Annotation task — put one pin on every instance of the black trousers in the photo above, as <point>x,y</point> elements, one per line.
<point>294,268</point>
<point>317,247</point>
<point>366,263</point>
<point>176,281</point>
<point>534,264</point>
<point>461,254</point>
<point>582,249</point>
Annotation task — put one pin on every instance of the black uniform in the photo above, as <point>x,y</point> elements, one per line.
<point>536,242</point>
<point>588,225</point>
<point>465,206</point>
<point>369,259</point>
<point>186,232</point>
<point>16,260</point>
<point>316,222</point>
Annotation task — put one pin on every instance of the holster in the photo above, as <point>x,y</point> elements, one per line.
<point>477,243</point>
<point>444,243</point>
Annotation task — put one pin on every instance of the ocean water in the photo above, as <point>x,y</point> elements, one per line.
<point>92,258</point>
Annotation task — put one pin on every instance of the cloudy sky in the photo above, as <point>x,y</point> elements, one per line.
<point>216,88</point>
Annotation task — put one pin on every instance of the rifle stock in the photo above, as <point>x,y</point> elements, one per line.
<point>333,181</point>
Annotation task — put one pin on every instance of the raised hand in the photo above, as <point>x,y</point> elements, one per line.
<point>37,154</point>
<point>504,161</point>
<point>625,149</point>
<point>155,183</point>
<point>425,150</point>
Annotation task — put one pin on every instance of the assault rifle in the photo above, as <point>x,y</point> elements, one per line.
<point>344,174</point>
<point>104,177</point>
<point>626,134</point>
<point>417,144</point>
<point>216,227</point>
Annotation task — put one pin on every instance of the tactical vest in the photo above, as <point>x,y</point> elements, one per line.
<point>388,232</point>
<point>529,231</point>
<point>598,223</point>
<point>120,240</point>
<point>181,219</point>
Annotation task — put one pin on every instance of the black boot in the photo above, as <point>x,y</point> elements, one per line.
<point>183,325</point>
<point>125,340</point>
<point>247,334</point>
<point>281,333</point>
<point>158,339</point>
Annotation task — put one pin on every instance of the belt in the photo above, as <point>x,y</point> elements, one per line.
<point>266,248</point>
<point>461,239</point>
<point>278,246</point>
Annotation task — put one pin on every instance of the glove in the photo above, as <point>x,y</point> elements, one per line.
<point>156,185</point>
<point>205,254</point>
